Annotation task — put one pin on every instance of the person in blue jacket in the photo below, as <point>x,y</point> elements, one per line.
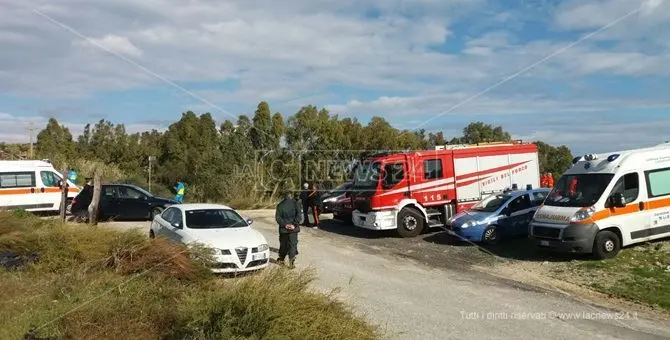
<point>72,176</point>
<point>179,189</point>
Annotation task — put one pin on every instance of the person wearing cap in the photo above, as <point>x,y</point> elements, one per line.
<point>287,216</point>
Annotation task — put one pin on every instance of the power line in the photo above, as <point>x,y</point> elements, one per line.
<point>31,131</point>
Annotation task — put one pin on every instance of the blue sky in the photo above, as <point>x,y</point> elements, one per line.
<point>429,64</point>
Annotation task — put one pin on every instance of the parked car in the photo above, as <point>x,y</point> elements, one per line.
<point>236,246</point>
<point>129,202</point>
<point>506,214</point>
<point>337,202</point>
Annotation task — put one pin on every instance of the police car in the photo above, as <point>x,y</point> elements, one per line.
<point>505,214</point>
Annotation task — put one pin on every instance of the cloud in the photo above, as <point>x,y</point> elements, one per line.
<point>111,44</point>
<point>406,61</point>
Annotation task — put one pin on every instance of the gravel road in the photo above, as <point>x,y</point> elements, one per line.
<point>412,299</point>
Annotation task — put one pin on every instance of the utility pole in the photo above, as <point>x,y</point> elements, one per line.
<point>151,159</point>
<point>31,129</point>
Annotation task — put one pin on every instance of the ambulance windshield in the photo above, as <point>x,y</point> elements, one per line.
<point>367,175</point>
<point>578,190</point>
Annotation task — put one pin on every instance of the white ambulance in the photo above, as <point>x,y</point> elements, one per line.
<point>607,201</point>
<point>32,186</point>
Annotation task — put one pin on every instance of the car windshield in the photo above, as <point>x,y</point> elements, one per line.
<point>578,190</point>
<point>367,175</point>
<point>491,203</point>
<point>340,190</point>
<point>214,219</point>
<point>145,192</point>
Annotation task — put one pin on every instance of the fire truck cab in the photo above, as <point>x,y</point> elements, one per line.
<point>413,191</point>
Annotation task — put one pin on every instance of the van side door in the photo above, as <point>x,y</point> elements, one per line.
<point>658,205</point>
<point>50,190</point>
<point>631,219</point>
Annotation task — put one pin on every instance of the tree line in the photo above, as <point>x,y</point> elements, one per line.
<point>245,162</point>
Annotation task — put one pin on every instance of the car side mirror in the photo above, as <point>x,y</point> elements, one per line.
<point>176,225</point>
<point>617,200</point>
<point>250,221</point>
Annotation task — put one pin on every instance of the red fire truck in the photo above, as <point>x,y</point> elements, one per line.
<point>413,191</point>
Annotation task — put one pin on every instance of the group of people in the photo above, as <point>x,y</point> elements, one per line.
<point>547,180</point>
<point>289,214</point>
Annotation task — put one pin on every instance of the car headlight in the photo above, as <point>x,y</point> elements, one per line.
<point>583,214</point>
<point>468,224</point>
<point>263,247</point>
<point>217,251</point>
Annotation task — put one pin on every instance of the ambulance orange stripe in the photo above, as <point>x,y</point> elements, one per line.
<point>628,209</point>
<point>21,191</point>
<point>15,191</point>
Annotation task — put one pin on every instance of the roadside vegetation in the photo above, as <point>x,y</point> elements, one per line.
<point>98,283</point>
<point>639,273</point>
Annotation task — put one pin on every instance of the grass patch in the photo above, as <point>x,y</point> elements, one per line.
<point>640,273</point>
<point>94,283</point>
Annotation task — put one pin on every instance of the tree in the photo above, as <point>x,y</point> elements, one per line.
<point>54,142</point>
<point>554,160</point>
<point>479,132</point>
<point>223,163</point>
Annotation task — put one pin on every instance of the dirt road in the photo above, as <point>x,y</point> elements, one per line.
<point>424,289</point>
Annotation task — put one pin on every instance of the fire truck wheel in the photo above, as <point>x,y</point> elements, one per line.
<point>410,223</point>
<point>491,235</point>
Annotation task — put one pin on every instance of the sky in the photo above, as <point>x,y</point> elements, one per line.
<point>589,74</point>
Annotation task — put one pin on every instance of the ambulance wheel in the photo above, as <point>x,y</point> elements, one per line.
<point>410,223</point>
<point>491,235</point>
<point>606,245</point>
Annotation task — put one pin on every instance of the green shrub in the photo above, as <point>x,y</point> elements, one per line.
<point>101,283</point>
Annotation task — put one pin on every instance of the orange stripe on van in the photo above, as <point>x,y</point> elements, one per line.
<point>15,191</point>
<point>21,191</point>
<point>628,209</point>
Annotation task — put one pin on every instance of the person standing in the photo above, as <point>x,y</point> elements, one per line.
<point>72,176</point>
<point>82,201</point>
<point>287,216</point>
<point>550,180</point>
<point>313,201</point>
<point>304,199</point>
<point>179,189</point>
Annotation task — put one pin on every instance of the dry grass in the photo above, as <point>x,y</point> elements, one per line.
<point>95,283</point>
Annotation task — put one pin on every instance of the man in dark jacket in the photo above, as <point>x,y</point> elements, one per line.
<point>83,200</point>
<point>287,216</point>
<point>304,198</point>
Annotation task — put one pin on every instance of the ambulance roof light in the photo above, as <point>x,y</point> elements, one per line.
<point>590,157</point>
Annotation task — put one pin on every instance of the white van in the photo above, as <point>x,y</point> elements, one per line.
<point>32,186</point>
<point>607,201</point>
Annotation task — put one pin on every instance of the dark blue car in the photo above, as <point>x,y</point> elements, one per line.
<point>506,214</point>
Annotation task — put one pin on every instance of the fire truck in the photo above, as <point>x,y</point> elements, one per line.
<point>415,191</point>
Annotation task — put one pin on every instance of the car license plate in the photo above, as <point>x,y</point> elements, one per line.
<point>259,256</point>
<point>544,243</point>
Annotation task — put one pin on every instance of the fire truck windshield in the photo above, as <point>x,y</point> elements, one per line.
<point>367,175</point>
